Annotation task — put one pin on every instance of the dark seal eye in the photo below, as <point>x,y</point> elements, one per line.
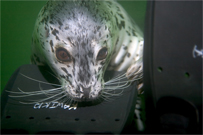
<point>63,55</point>
<point>102,54</point>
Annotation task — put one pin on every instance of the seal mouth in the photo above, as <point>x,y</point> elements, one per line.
<point>83,94</point>
<point>80,95</point>
<point>85,98</point>
<point>90,101</point>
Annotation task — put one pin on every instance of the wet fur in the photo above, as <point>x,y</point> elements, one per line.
<point>83,28</point>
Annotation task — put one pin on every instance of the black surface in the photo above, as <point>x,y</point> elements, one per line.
<point>172,76</point>
<point>105,117</point>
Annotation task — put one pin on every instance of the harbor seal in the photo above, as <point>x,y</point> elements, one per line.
<point>79,40</point>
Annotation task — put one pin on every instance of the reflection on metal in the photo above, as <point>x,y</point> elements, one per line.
<point>52,105</point>
<point>197,52</point>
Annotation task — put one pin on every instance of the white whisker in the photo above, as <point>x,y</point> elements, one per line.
<point>106,98</point>
<point>128,81</point>
<point>66,100</point>
<point>27,95</point>
<point>135,78</point>
<point>70,102</point>
<point>37,101</point>
<point>115,88</point>
<point>116,78</point>
<point>59,98</point>
<point>46,93</point>
<point>137,74</point>
<point>115,82</point>
<point>113,94</point>
<point>118,86</point>
<point>39,80</point>
<point>119,76</point>
<point>34,92</point>
<point>53,75</point>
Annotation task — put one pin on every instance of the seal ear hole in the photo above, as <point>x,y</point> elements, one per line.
<point>117,120</point>
<point>93,120</point>
<point>63,55</point>
<point>77,119</point>
<point>187,75</point>
<point>47,118</point>
<point>102,53</point>
<point>8,117</point>
<point>31,118</point>
<point>160,69</point>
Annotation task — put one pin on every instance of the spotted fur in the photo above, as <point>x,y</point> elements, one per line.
<point>83,28</point>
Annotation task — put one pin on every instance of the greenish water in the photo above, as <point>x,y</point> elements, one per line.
<point>17,23</point>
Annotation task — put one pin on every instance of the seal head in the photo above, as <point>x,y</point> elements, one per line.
<point>76,39</point>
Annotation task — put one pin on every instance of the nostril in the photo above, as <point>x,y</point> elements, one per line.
<point>100,92</point>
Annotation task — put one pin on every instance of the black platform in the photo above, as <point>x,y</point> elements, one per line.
<point>105,117</point>
<point>173,67</point>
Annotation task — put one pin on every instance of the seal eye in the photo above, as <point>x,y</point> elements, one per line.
<point>63,55</point>
<point>102,54</point>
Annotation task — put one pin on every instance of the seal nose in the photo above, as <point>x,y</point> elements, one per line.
<point>86,91</point>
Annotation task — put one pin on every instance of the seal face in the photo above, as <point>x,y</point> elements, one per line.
<point>79,40</point>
